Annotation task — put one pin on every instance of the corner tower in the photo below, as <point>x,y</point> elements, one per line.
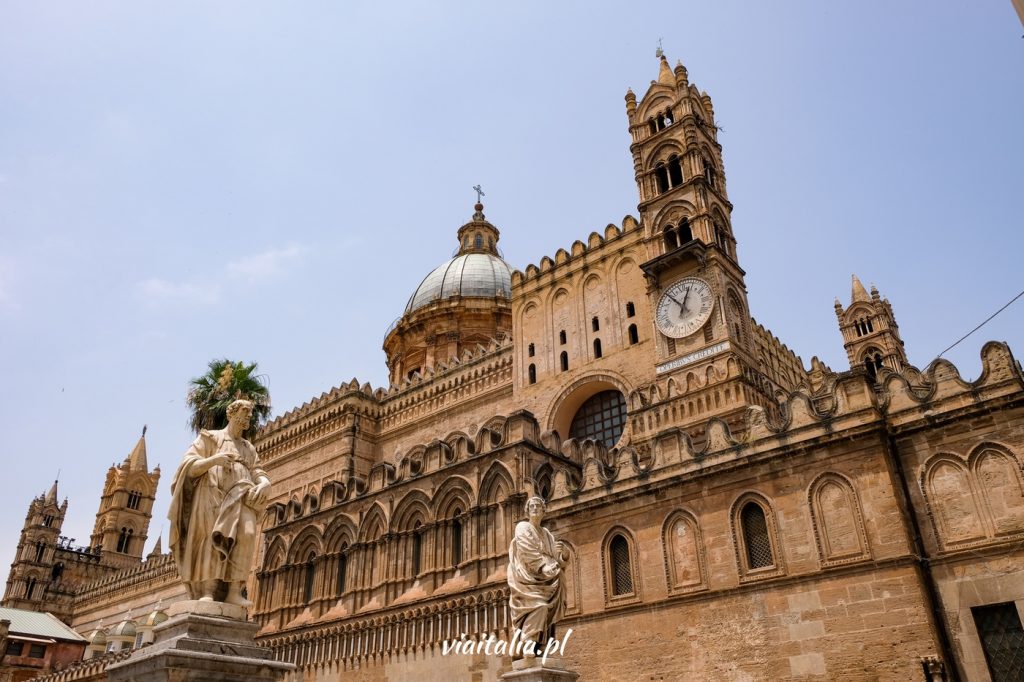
<point>871,336</point>
<point>35,567</point>
<point>126,506</point>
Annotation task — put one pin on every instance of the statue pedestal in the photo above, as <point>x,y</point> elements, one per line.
<point>531,670</point>
<point>201,641</point>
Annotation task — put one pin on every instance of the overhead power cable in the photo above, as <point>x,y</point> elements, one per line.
<point>987,320</point>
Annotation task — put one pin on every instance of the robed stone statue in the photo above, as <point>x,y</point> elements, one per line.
<point>217,495</point>
<point>535,577</point>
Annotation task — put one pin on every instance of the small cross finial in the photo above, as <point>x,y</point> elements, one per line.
<point>144,427</point>
<point>659,53</point>
<point>479,193</point>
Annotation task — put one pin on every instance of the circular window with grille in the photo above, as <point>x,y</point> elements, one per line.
<point>601,417</point>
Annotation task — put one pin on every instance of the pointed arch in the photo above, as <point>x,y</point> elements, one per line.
<point>756,537</point>
<point>837,520</point>
<point>309,540</point>
<point>684,554</point>
<point>456,492</point>
<point>496,484</point>
<point>275,555</point>
<point>997,471</point>
<point>414,506</point>
<point>620,562</point>
<point>951,500</point>
<point>340,532</point>
<point>374,524</point>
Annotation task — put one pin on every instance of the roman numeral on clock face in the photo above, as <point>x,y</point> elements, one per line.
<point>684,307</point>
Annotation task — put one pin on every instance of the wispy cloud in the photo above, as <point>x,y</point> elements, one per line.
<point>245,271</point>
<point>264,265</point>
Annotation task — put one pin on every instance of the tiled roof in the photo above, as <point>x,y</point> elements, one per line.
<point>34,623</point>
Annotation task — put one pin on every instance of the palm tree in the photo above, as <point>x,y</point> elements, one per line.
<point>225,381</point>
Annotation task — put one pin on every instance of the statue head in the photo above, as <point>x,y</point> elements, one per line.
<point>535,507</point>
<point>241,411</point>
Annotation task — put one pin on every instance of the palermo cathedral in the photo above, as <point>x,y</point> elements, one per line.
<point>731,514</point>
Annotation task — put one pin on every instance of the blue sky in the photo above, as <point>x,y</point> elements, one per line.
<point>270,182</point>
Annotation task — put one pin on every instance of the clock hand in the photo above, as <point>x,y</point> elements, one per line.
<point>682,306</point>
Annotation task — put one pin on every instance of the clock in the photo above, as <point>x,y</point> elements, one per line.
<point>684,307</point>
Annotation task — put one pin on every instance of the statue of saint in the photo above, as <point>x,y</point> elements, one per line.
<point>217,495</point>
<point>536,584</point>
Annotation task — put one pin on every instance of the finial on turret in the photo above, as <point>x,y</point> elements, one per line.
<point>659,53</point>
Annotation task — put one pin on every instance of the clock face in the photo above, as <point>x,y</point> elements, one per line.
<point>684,307</point>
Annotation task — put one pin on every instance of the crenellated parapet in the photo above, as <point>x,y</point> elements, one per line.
<point>573,258</point>
<point>777,361</point>
<point>157,569</point>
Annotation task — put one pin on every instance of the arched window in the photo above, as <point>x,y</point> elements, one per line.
<point>621,567</point>
<point>134,498</point>
<point>57,572</point>
<point>478,241</point>
<point>755,536</point>
<point>634,337</point>
<point>661,178</point>
<point>597,348</point>
<point>709,174</point>
<point>456,539</point>
<point>653,126</point>
<point>601,417</point>
<point>417,549</point>
<point>40,548</point>
<point>530,350</point>
<point>668,118</point>
<point>31,588</point>
<point>307,588</point>
<point>630,309</point>
<point>564,360</point>
<point>685,233</point>
<point>125,539</point>
<point>873,363</point>
<point>675,171</point>
<point>533,373</point>
<point>543,485</point>
<point>671,240</point>
<point>342,566</point>
<point>561,337</point>
<point>595,324</point>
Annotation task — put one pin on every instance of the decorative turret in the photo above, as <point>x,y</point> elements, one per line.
<point>870,333</point>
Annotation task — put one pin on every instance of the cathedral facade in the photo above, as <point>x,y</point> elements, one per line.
<point>730,514</point>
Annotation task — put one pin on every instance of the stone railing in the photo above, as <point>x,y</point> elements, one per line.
<point>424,628</point>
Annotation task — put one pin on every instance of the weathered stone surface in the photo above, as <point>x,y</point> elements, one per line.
<point>193,648</point>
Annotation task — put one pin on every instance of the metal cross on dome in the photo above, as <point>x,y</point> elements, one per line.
<point>479,193</point>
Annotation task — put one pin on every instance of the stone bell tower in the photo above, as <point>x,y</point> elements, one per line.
<point>695,283</point>
<point>34,566</point>
<point>871,336</point>
<point>126,506</point>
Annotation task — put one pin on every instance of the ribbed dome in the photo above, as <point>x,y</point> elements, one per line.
<point>469,274</point>
<point>126,628</point>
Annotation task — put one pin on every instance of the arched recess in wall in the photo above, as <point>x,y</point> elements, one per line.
<point>952,501</point>
<point>998,473</point>
<point>837,520</point>
<point>495,488</point>
<point>572,581</point>
<point>683,548</point>
<point>563,409</point>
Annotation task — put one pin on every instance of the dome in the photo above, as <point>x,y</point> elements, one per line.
<point>157,616</point>
<point>126,628</point>
<point>468,274</point>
